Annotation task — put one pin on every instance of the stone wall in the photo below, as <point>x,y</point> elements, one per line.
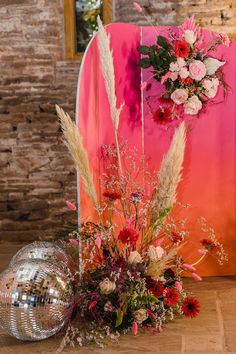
<point>36,172</point>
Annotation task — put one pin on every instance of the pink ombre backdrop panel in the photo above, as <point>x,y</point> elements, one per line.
<point>209,175</point>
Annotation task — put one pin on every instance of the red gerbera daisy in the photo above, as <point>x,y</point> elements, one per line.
<point>128,235</point>
<point>182,49</point>
<point>190,307</point>
<point>162,115</point>
<point>171,297</point>
<point>208,244</point>
<point>112,195</point>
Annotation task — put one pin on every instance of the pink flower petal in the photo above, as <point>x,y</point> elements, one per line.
<point>71,206</point>
<point>143,85</point>
<point>138,7</point>
<point>188,267</point>
<point>165,77</point>
<point>135,328</point>
<point>151,314</point>
<point>73,242</point>
<point>98,241</point>
<point>178,286</point>
<point>92,305</point>
<point>202,251</point>
<point>196,277</point>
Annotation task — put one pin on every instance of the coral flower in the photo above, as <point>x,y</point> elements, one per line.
<point>111,195</point>
<point>162,115</point>
<point>190,307</point>
<point>171,297</point>
<point>182,49</point>
<point>128,236</point>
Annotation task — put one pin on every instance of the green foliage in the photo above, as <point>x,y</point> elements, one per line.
<point>159,57</point>
<point>143,49</point>
<point>144,63</point>
<point>119,317</point>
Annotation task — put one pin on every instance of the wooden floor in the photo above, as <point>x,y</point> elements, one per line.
<point>214,331</point>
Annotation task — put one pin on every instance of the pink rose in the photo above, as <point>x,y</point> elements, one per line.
<point>179,96</point>
<point>197,70</point>
<point>193,105</point>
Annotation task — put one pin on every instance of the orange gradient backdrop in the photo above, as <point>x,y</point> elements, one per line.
<point>209,175</point>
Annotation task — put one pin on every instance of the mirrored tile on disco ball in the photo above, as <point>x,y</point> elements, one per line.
<point>43,250</point>
<point>36,299</point>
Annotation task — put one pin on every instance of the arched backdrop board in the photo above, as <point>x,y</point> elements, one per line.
<point>209,176</point>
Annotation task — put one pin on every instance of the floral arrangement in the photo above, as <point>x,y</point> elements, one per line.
<point>128,265</point>
<point>184,64</point>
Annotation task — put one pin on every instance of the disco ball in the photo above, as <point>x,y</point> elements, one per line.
<point>36,299</point>
<point>46,251</point>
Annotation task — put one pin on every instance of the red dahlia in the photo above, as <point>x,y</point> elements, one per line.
<point>190,307</point>
<point>128,236</point>
<point>111,195</point>
<point>182,49</point>
<point>162,115</point>
<point>157,289</point>
<point>171,297</point>
<point>208,244</point>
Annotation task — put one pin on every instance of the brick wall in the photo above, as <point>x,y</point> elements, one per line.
<point>36,172</point>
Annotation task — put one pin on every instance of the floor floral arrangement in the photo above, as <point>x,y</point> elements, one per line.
<point>131,274</point>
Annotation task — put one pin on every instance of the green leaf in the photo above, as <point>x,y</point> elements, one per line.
<point>163,42</point>
<point>143,49</point>
<point>119,317</point>
<point>144,63</point>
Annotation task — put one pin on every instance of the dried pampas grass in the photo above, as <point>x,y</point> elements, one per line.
<point>74,143</point>
<point>156,268</point>
<point>170,172</point>
<point>108,72</point>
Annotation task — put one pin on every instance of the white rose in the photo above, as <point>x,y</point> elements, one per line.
<point>179,96</point>
<point>184,73</point>
<point>211,93</point>
<point>215,82</point>
<point>207,84</point>
<point>212,65</point>
<point>193,105</point>
<point>140,315</point>
<point>107,286</point>
<point>181,62</point>
<point>155,253</point>
<point>190,36</point>
<point>174,67</point>
<point>174,76</point>
<point>211,87</point>
<point>134,258</point>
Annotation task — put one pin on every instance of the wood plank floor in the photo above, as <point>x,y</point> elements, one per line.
<point>214,331</point>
